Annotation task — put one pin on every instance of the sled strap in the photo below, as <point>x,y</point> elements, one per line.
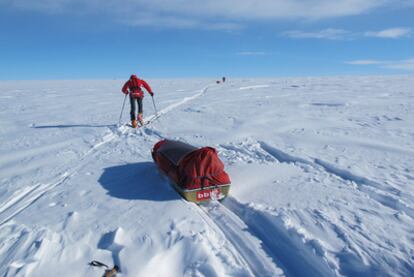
<point>202,178</point>
<point>209,177</point>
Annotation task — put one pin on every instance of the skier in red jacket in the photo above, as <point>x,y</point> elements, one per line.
<point>134,87</point>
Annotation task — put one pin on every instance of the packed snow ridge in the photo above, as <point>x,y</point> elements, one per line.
<point>321,168</point>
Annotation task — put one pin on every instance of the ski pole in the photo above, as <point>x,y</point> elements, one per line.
<point>153,102</point>
<point>123,105</point>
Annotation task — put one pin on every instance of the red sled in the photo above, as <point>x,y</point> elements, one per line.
<point>196,173</point>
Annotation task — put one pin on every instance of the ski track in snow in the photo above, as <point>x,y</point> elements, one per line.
<point>22,199</point>
<point>286,246</point>
<point>264,242</point>
<point>244,243</point>
<point>184,101</point>
<point>254,87</point>
<point>27,196</point>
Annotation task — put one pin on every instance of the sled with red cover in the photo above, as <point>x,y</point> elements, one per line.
<point>196,173</point>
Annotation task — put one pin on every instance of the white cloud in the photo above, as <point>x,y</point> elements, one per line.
<point>340,34</point>
<point>251,53</point>
<point>218,14</point>
<point>332,34</point>
<point>269,9</point>
<point>390,33</point>
<point>364,62</point>
<point>407,64</point>
<point>401,65</point>
<point>176,22</point>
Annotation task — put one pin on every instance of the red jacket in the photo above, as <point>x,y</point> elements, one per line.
<point>134,86</point>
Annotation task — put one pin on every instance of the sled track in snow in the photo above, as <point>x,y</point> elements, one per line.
<point>263,241</point>
<point>232,228</point>
<point>25,197</point>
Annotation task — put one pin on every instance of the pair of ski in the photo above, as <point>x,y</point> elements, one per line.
<point>138,125</point>
<point>149,121</point>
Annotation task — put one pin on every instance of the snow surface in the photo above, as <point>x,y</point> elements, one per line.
<point>322,178</point>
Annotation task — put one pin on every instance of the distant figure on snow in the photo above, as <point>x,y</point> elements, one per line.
<point>133,87</point>
<point>224,79</point>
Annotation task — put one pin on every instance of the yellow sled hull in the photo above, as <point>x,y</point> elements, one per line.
<point>204,194</point>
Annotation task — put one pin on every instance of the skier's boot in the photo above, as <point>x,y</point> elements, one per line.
<point>134,123</point>
<point>111,272</point>
<point>140,119</point>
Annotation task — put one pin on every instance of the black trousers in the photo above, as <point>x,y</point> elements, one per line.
<point>134,103</point>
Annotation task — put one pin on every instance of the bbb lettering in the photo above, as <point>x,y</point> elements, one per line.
<point>203,195</point>
<point>207,194</point>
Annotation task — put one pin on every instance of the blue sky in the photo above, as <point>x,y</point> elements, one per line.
<point>105,39</point>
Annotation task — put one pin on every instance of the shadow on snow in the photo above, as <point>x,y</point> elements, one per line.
<point>138,181</point>
<point>75,126</point>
